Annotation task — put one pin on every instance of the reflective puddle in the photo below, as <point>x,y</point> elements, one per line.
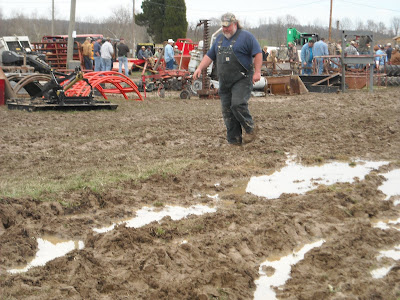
<point>391,187</point>
<point>274,273</point>
<point>388,224</point>
<point>146,215</point>
<point>392,254</point>
<point>49,248</point>
<point>299,179</point>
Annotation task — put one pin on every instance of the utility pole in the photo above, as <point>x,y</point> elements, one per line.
<point>52,17</point>
<point>330,23</point>
<point>133,29</point>
<point>70,45</point>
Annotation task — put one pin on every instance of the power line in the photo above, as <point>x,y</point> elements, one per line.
<point>370,6</point>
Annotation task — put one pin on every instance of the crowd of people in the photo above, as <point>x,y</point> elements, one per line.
<point>99,54</point>
<point>313,51</point>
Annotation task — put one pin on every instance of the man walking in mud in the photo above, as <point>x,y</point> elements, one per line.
<point>239,58</point>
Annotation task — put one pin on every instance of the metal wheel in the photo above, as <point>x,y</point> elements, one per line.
<point>185,94</point>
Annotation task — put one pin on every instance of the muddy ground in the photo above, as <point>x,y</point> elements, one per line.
<point>63,174</point>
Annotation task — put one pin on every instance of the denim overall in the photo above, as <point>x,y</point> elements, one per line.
<point>235,85</point>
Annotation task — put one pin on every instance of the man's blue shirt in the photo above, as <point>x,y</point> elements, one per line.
<point>245,47</point>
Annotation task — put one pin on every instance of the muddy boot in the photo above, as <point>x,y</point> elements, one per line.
<point>249,137</point>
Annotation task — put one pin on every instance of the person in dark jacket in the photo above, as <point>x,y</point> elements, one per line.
<point>123,51</point>
<point>388,51</point>
<point>265,53</point>
<point>97,55</point>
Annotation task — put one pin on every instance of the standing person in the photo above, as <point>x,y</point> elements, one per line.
<point>351,50</point>
<point>320,49</point>
<point>142,53</point>
<point>363,44</point>
<point>381,59</point>
<point>123,51</point>
<point>395,59</point>
<point>307,57</point>
<point>389,51</point>
<point>293,56</point>
<point>107,52</point>
<point>92,52</point>
<point>158,53</point>
<point>169,54</point>
<point>97,55</point>
<point>238,56</point>
<point>265,53</point>
<point>87,52</point>
<point>148,52</point>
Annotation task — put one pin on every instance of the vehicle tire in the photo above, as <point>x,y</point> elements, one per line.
<point>185,94</point>
<point>393,81</point>
<point>150,87</point>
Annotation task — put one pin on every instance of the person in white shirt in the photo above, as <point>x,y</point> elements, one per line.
<point>107,52</point>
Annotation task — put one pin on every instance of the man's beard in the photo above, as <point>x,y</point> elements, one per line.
<point>229,34</point>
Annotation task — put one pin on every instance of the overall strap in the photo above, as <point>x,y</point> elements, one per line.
<point>232,41</point>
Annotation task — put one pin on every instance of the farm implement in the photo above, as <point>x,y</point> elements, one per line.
<point>74,91</point>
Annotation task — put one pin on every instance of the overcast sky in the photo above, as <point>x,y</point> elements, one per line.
<point>252,12</point>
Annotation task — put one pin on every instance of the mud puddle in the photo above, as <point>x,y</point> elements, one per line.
<point>275,272</point>
<point>146,215</point>
<point>393,254</point>
<point>299,179</point>
<point>391,187</point>
<point>49,248</point>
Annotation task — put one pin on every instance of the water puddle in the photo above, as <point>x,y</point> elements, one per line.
<point>274,273</point>
<point>392,254</point>
<point>49,248</point>
<point>299,179</point>
<point>391,187</point>
<point>388,224</point>
<point>146,215</point>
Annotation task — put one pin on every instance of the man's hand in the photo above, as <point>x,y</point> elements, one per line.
<point>256,77</point>
<point>196,74</point>
<point>205,62</point>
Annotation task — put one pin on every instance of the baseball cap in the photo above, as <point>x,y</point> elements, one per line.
<point>170,41</point>
<point>227,19</point>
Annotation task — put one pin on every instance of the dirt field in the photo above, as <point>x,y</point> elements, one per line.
<point>64,174</point>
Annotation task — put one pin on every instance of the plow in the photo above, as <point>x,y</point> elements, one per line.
<point>74,91</point>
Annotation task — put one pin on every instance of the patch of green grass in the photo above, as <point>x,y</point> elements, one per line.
<point>158,204</point>
<point>45,187</point>
<point>159,232</point>
<point>280,152</point>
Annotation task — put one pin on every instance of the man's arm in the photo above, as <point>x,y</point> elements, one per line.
<point>205,62</point>
<point>257,67</point>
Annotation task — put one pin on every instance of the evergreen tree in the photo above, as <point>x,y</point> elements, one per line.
<point>175,25</point>
<point>164,19</point>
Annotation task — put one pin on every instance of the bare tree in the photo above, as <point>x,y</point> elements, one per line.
<point>381,28</point>
<point>359,25</point>
<point>372,26</point>
<point>346,24</point>
<point>291,21</point>
<point>395,25</point>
